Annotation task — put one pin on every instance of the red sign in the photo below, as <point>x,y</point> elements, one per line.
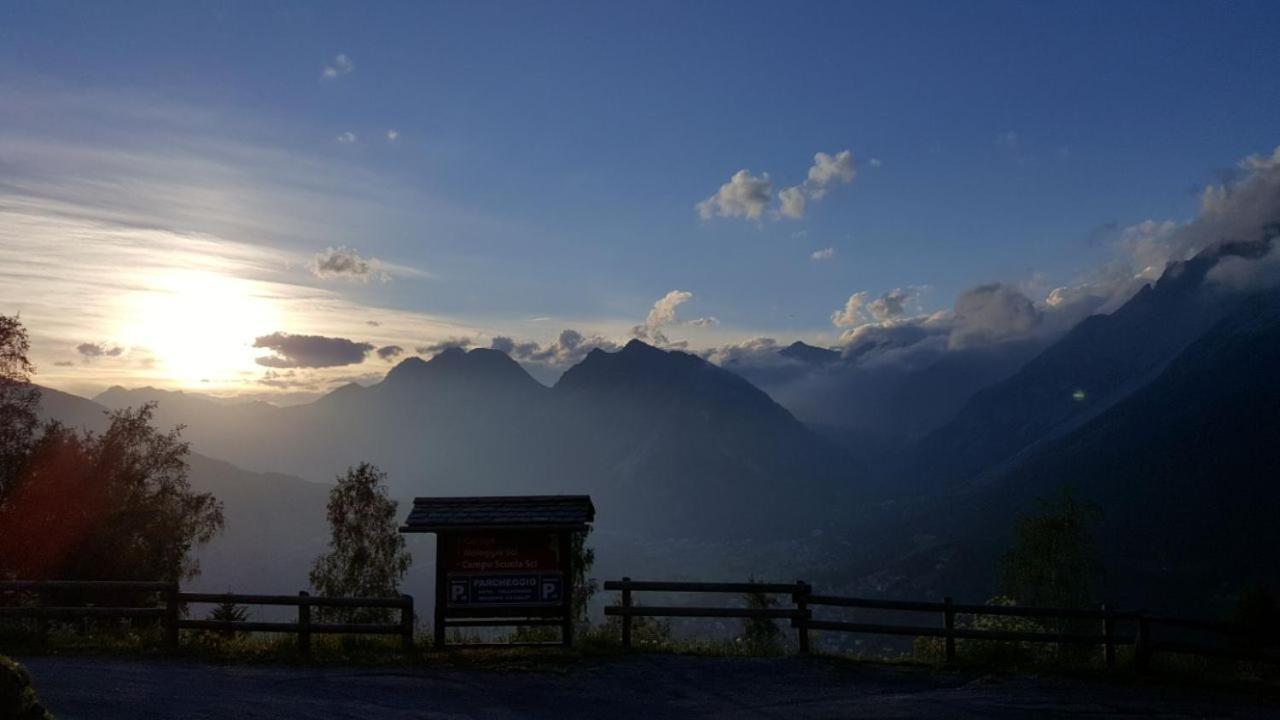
<point>503,568</point>
<point>502,552</point>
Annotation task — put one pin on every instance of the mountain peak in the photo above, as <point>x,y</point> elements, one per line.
<point>456,364</point>
<point>809,353</point>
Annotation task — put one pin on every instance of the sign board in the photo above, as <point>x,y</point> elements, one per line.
<point>503,569</point>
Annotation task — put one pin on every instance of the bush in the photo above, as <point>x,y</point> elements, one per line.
<point>17,698</point>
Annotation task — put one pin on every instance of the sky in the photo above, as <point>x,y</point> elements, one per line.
<point>268,199</point>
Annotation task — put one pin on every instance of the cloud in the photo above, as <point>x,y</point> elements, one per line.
<point>860,309</point>
<point>344,264</point>
<point>823,254</point>
<point>439,346</point>
<point>567,349</point>
<point>826,172</point>
<point>309,351</point>
<point>1008,140</point>
<point>792,203</point>
<point>744,195</point>
<point>851,314</point>
<point>993,313</point>
<point>97,350</point>
<point>663,314</point>
<point>390,352</point>
<point>340,66</point>
<point>894,303</point>
<point>875,162</point>
<point>393,135</point>
<point>64,363</point>
<point>347,138</point>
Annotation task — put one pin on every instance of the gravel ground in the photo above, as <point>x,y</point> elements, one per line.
<point>641,686</point>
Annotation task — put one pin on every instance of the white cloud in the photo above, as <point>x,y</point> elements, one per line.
<point>663,314</point>
<point>347,138</point>
<point>393,135</point>
<point>823,254</point>
<point>744,195</point>
<point>851,314</point>
<point>341,65</point>
<point>875,162</point>
<point>826,172</point>
<point>859,309</point>
<point>792,203</point>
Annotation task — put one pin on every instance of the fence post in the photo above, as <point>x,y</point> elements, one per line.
<point>949,622</point>
<point>1142,644</point>
<point>304,623</point>
<point>171,616</point>
<point>1108,637</point>
<point>626,619</point>
<point>801,599</point>
<point>406,623</point>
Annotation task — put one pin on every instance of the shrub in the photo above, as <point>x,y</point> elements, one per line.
<point>17,698</point>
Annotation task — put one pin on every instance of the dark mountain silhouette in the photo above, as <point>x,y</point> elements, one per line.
<point>809,354</point>
<point>1183,469</point>
<point>665,440</point>
<point>682,438</point>
<point>1099,362</point>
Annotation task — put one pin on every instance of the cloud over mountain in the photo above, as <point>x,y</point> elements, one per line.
<point>309,351</point>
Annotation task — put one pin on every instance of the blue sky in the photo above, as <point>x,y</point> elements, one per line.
<point>548,158</point>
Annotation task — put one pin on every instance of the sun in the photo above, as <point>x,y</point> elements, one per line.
<point>199,326</point>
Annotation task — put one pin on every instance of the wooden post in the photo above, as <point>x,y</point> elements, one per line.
<point>171,617</point>
<point>949,621</point>
<point>437,636</point>
<point>1142,644</point>
<point>801,599</point>
<point>1108,635</point>
<point>626,619</point>
<point>566,561</point>
<point>406,623</point>
<point>304,623</point>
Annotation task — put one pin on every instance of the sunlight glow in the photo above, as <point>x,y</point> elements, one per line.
<point>198,326</point>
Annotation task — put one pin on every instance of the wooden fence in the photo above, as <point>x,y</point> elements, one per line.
<point>170,601</point>
<point>1108,635</point>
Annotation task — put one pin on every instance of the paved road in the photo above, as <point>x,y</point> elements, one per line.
<point>649,687</point>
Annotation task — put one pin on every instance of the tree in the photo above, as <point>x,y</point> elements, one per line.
<point>367,555</point>
<point>228,611</point>
<point>760,635</point>
<point>584,587</point>
<point>109,506</point>
<point>19,400</point>
<point>1054,561</point>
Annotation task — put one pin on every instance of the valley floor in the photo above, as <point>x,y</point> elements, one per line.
<point>620,688</point>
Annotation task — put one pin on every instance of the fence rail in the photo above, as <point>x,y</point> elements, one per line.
<point>172,599</point>
<point>804,601</point>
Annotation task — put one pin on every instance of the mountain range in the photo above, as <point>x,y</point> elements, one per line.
<point>1161,412</point>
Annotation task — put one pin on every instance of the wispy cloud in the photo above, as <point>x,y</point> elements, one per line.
<point>347,138</point>
<point>393,135</point>
<point>823,254</point>
<point>340,66</point>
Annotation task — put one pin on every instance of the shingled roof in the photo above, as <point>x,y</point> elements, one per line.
<point>557,512</point>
